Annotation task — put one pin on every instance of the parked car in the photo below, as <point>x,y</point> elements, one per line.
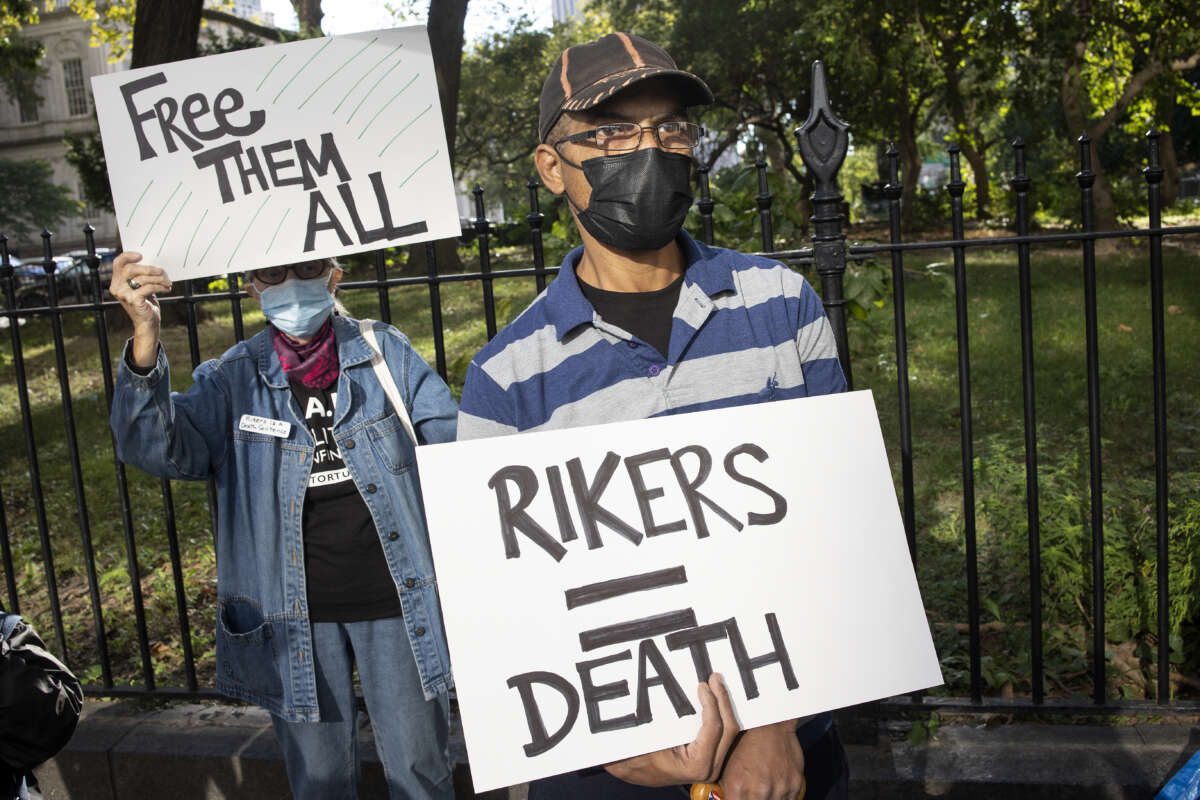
<point>71,279</point>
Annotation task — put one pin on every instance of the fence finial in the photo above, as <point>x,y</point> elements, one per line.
<point>823,138</point>
<point>894,188</point>
<point>1153,170</point>
<point>47,252</point>
<point>1019,181</point>
<point>956,186</point>
<point>1085,176</point>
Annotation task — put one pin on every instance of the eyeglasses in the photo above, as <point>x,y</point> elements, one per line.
<point>623,136</point>
<point>272,276</point>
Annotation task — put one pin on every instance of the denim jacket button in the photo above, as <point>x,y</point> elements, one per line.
<point>371,488</point>
<point>419,631</point>
<point>409,583</point>
<point>348,444</point>
<point>654,370</point>
<point>393,536</point>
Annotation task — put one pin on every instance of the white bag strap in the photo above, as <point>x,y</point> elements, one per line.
<point>367,328</point>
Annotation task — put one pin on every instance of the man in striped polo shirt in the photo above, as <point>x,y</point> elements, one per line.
<point>643,321</point>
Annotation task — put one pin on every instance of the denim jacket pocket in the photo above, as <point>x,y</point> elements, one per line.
<point>246,647</point>
<point>391,443</point>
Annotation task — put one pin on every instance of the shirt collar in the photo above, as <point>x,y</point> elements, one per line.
<point>567,308</point>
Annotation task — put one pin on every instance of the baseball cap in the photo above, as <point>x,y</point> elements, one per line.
<point>588,74</point>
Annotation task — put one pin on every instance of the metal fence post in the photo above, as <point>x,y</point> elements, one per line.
<point>1154,176</point>
<point>823,142</point>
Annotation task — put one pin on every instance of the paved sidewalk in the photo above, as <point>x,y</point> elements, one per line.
<point>122,751</point>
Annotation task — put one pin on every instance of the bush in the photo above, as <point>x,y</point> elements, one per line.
<point>1130,579</point>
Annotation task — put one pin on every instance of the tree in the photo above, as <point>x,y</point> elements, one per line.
<point>31,199</point>
<point>1100,60</point>
<point>445,26</point>
<point>970,42</point>
<point>165,31</point>
<point>309,16</point>
<point>20,58</point>
<point>501,82</point>
<point>444,22</point>
<point>756,56</point>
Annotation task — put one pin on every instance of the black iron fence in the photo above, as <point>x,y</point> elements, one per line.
<point>823,143</point>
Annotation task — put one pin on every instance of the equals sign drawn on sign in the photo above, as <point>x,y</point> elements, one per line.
<point>636,629</point>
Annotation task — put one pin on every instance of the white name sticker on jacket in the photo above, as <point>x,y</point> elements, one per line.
<point>270,427</point>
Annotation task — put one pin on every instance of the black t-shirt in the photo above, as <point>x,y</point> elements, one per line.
<point>347,577</point>
<point>647,315</point>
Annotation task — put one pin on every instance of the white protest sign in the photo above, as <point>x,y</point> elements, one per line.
<point>278,154</point>
<point>589,578</point>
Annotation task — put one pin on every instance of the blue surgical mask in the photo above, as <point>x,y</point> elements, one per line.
<point>298,307</point>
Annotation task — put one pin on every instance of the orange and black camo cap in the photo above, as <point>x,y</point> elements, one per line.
<point>588,74</point>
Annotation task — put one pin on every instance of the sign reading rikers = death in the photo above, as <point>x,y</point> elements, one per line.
<point>590,578</point>
<point>278,154</point>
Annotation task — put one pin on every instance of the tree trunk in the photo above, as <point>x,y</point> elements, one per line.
<point>446,18</point>
<point>1166,148</point>
<point>978,161</point>
<point>910,166</point>
<point>446,253</point>
<point>1170,165</point>
<point>165,31</point>
<point>445,28</point>
<point>308,15</point>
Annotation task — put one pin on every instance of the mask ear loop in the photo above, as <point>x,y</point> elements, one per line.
<point>579,167</point>
<point>565,160</point>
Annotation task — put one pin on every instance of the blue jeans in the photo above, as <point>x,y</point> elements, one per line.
<point>411,733</point>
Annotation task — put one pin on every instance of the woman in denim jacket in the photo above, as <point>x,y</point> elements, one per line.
<point>323,559</point>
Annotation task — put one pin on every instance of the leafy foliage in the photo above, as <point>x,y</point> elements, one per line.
<point>31,200</point>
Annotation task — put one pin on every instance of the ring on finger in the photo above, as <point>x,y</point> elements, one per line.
<point>133,284</point>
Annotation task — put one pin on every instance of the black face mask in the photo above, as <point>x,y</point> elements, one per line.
<point>639,199</point>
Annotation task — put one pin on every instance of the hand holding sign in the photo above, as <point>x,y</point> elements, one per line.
<point>134,284</point>
<point>700,760</point>
<point>767,762</point>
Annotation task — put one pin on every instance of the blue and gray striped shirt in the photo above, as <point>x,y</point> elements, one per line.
<point>746,330</point>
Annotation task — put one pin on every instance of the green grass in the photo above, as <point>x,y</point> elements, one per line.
<point>994,338</point>
<point>1126,404</point>
<point>465,333</point>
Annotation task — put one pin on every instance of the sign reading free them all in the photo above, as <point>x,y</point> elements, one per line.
<point>279,154</point>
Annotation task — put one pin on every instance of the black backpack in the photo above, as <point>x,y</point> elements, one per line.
<point>40,701</point>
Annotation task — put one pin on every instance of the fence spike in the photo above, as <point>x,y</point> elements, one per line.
<point>1085,176</point>
<point>956,186</point>
<point>47,252</point>
<point>1019,181</point>
<point>1153,170</point>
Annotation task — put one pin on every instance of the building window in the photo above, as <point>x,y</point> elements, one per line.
<point>77,102</point>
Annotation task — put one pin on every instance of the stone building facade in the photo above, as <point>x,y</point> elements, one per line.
<point>36,132</point>
<point>29,131</point>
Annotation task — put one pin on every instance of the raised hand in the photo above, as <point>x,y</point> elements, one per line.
<point>134,285</point>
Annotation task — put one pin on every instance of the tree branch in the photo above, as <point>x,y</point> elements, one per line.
<point>244,25</point>
<point>1134,87</point>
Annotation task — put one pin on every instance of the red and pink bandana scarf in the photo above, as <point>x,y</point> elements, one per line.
<point>314,363</point>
